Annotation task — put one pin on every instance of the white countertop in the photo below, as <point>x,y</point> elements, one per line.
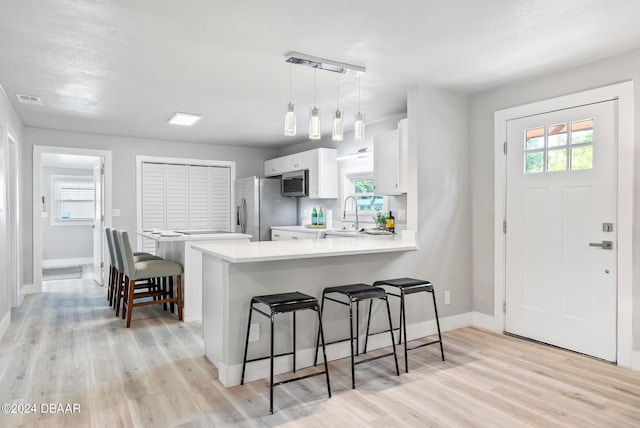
<point>163,237</point>
<point>246,252</point>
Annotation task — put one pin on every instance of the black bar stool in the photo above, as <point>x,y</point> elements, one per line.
<point>278,304</point>
<point>356,293</point>
<point>408,286</point>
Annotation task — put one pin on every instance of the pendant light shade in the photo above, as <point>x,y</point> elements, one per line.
<point>314,117</point>
<point>337,134</point>
<point>358,126</point>
<point>290,115</point>
<point>314,124</point>
<point>290,121</point>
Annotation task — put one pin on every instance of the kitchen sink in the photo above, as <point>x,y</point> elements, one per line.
<point>357,234</point>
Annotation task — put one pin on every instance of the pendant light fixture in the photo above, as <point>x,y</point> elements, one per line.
<point>314,114</point>
<point>290,115</point>
<point>314,117</point>
<point>358,126</point>
<point>337,134</point>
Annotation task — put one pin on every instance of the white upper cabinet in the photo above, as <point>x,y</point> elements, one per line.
<point>390,161</point>
<point>323,170</point>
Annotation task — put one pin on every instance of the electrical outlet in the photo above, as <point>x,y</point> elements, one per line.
<point>254,332</point>
<point>447,297</point>
<point>401,214</point>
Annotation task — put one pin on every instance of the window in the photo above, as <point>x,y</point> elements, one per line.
<point>559,147</point>
<point>359,184</point>
<point>72,200</point>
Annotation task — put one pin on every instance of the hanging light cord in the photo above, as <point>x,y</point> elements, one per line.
<point>358,92</point>
<point>337,92</point>
<point>290,84</point>
<point>315,85</point>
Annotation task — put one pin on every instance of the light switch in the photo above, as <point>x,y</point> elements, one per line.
<point>115,212</point>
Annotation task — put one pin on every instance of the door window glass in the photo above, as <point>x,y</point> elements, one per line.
<point>559,147</point>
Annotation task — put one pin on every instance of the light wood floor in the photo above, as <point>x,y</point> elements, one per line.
<point>65,346</point>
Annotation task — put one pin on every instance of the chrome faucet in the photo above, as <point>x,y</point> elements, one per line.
<point>344,214</point>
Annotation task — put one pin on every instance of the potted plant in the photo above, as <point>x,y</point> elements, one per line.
<point>381,220</point>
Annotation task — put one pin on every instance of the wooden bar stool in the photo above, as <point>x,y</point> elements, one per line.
<point>279,304</point>
<point>148,270</point>
<point>355,293</point>
<point>407,286</point>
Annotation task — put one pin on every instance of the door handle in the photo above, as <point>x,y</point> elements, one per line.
<point>605,245</point>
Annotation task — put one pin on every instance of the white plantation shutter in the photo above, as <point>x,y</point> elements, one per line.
<point>177,188</point>
<point>199,203</point>
<point>178,197</point>
<point>220,192</point>
<point>154,201</point>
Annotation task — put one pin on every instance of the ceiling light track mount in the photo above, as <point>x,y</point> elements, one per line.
<point>324,64</point>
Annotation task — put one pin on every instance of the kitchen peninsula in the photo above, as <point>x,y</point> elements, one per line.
<point>236,271</point>
<point>177,246</point>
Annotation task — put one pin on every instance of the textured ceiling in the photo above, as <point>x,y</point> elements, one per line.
<point>123,67</point>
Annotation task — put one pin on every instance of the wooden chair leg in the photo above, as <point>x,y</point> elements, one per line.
<point>119,292</point>
<point>170,295</point>
<point>125,294</point>
<point>132,287</point>
<point>179,294</point>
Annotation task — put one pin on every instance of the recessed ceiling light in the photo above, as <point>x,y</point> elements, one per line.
<point>184,119</point>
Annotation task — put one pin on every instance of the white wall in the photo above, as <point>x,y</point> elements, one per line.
<point>249,161</point>
<point>483,105</point>
<point>9,123</point>
<point>64,242</point>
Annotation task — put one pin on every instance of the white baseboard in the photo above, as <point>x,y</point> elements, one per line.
<point>635,361</point>
<point>4,324</point>
<point>487,322</point>
<point>67,262</point>
<point>27,289</point>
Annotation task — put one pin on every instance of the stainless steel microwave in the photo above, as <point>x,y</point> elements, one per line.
<point>295,183</point>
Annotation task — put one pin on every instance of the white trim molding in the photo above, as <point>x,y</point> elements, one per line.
<point>623,93</point>
<point>67,262</point>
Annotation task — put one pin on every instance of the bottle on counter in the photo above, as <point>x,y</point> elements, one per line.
<point>391,223</point>
<point>320,217</point>
<point>314,217</point>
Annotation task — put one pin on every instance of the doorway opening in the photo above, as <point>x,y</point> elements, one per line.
<point>72,206</point>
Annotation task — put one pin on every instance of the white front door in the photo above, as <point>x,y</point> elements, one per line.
<point>561,279</point>
<point>98,222</point>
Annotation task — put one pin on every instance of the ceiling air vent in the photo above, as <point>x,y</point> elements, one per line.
<point>29,99</point>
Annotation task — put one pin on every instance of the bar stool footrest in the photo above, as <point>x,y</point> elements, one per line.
<point>268,357</point>
<point>282,382</point>
<point>373,358</point>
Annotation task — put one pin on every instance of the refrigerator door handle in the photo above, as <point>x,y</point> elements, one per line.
<point>243,213</point>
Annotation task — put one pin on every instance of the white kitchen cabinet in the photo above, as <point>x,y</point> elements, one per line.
<point>323,170</point>
<point>390,161</point>
<point>283,235</point>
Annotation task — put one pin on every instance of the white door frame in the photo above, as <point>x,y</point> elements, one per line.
<point>15,224</point>
<point>37,202</point>
<point>623,92</point>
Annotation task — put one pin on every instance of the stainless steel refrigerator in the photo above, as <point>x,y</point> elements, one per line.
<point>259,205</point>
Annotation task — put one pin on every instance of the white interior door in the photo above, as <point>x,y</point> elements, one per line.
<point>98,223</point>
<point>561,279</point>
